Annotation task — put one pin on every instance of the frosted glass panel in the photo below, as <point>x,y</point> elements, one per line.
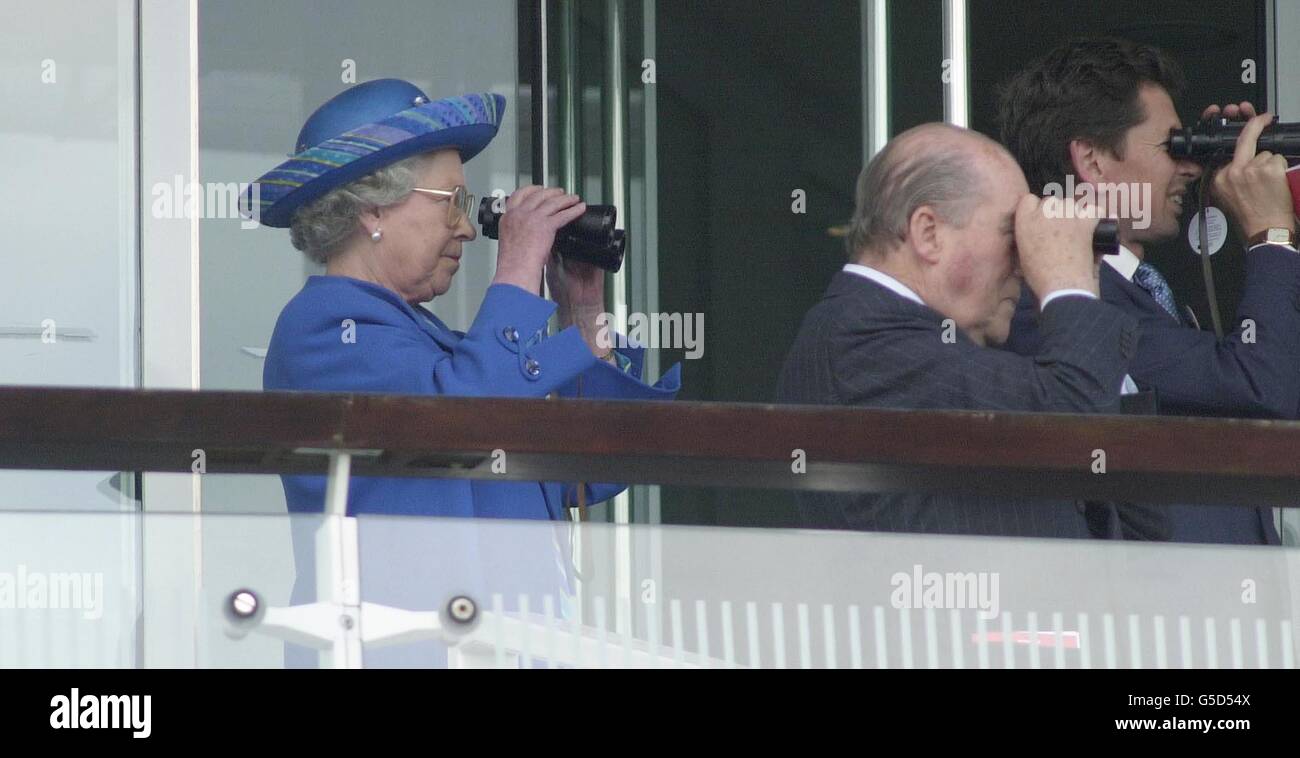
<point>67,144</point>
<point>67,310</point>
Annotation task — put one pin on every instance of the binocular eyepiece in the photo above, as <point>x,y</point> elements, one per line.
<point>1216,140</point>
<point>590,238</point>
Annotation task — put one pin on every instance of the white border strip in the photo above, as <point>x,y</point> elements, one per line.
<point>875,77</point>
<point>1283,23</point>
<point>956,54</point>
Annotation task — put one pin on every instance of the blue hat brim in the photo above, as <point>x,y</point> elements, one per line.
<point>301,180</point>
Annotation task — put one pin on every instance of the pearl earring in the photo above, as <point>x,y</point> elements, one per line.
<point>376,235</point>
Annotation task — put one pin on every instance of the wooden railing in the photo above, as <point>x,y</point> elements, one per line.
<point>1144,459</point>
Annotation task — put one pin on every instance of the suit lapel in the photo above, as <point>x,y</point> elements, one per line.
<point>1126,294</point>
<point>1139,297</point>
<point>434,327</point>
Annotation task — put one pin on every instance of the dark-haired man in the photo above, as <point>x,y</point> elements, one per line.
<point>1096,114</point>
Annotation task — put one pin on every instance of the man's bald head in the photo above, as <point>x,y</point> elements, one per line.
<point>937,165</point>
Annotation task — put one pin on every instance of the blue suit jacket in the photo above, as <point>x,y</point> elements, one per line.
<point>1195,374</point>
<point>344,335</point>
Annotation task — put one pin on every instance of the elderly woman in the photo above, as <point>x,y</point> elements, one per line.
<point>376,192</point>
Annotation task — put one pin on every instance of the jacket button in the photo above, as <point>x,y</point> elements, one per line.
<point>510,334</point>
<point>532,367</point>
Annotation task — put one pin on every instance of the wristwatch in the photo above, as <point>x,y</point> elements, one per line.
<point>1277,235</point>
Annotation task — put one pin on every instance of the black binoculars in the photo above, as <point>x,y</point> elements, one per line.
<point>1105,238</point>
<point>1216,140</point>
<point>590,238</point>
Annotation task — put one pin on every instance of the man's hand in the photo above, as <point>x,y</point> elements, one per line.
<point>527,233</point>
<point>1242,111</point>
<point>1253,186</point>
<point>1056,251</point>
<point>579,290</point>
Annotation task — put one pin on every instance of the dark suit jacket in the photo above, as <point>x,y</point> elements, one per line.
<point>1195,374</point>
<point>865,345</point>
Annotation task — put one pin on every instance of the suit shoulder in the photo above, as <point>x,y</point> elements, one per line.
<point>332,326</point>
<point>329,301</point>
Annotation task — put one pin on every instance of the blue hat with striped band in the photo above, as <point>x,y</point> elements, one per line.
<point>363,129</point>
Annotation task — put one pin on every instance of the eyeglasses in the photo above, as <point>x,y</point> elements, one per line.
<point>459,202</point>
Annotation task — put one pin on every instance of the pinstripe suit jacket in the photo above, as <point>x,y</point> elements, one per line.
<point>865,345</point>
<point>1193,373</point>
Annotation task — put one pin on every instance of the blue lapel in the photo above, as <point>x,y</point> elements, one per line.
<point>439,331</point>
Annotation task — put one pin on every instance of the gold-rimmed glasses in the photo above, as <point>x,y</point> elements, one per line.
<point>459,202</point>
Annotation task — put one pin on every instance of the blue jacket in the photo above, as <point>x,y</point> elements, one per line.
<point>1195,374</point>
<point>344,335</point>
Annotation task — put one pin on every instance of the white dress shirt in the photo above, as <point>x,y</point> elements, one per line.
<point>1125,262</point>
<point>884,280</point>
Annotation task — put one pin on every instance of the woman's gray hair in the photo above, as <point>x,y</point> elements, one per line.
<point>924,167</point>
<point>320,228</point>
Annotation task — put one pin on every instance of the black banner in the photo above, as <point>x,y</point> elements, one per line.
<point>236,709</point>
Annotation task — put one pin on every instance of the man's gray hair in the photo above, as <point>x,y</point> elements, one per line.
<point>320,228</point>
<point>910,172</point>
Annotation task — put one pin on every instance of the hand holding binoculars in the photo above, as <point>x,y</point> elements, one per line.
<point>1215,141</point>
<point>590,238</point>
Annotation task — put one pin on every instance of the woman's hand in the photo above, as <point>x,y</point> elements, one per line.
<point>527,233</point>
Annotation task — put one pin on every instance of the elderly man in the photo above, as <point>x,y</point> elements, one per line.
<point>1096,114</point>
<point>942,216</point>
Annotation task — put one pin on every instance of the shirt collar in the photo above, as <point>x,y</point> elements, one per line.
<point>1125,262</point>
<point>884,280</point>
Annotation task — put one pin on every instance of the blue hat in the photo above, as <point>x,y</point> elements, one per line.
<point>365,128</point>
